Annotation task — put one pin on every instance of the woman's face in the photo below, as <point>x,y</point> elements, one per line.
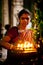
<point>24,19</point>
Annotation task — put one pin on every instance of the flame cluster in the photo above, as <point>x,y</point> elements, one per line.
<point>25,46</point>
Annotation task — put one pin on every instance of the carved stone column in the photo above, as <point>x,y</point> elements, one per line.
<point>17,6</point>
<point>5,20</point>
<point>5,12</point>
<point>5,15</point>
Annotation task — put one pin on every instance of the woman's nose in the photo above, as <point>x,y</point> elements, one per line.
<point>25,19</point>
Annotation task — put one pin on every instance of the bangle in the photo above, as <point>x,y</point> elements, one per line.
<point>11,46</point>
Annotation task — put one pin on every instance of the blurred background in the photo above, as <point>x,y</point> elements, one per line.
<point>9,10</point>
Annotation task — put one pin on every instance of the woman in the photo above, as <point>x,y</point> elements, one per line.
<point>15,34</point>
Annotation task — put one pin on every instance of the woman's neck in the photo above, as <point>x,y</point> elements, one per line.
<point>20,27</point>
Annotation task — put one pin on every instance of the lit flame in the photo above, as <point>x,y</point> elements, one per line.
<point>25,46</point>
<point>25,42</point>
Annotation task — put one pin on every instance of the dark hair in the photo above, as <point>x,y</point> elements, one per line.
<point>24,11</point>
<point>7,26</point>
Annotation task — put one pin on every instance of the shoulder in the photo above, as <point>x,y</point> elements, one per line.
<point>14,28</point>
<point>13,31</point>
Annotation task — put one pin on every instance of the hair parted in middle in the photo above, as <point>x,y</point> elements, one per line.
<point>24,11</point>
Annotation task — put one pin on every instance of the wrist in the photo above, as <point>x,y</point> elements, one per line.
<point>11,46</point>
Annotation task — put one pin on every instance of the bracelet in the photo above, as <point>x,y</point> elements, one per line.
<point>11,46</point>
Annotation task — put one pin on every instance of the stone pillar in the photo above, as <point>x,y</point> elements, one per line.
<point>5,20</point>
<point>17,6</point>
<point>5,12</point>
<point>5,15</point>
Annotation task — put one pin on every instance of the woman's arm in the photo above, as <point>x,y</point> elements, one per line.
<point>4,43</point>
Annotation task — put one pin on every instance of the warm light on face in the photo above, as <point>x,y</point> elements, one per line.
<point>25,19</point>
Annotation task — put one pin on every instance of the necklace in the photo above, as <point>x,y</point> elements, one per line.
<point>20,31</point>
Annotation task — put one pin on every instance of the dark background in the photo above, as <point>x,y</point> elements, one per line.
<point>27,4</point>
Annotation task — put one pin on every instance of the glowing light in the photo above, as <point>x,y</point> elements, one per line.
<point>25,46</point>
<point>38,45</point>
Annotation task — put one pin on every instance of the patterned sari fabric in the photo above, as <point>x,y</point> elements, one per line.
<point>16,36</point>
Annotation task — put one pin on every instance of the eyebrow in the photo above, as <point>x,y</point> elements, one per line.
<point>24,18</point>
